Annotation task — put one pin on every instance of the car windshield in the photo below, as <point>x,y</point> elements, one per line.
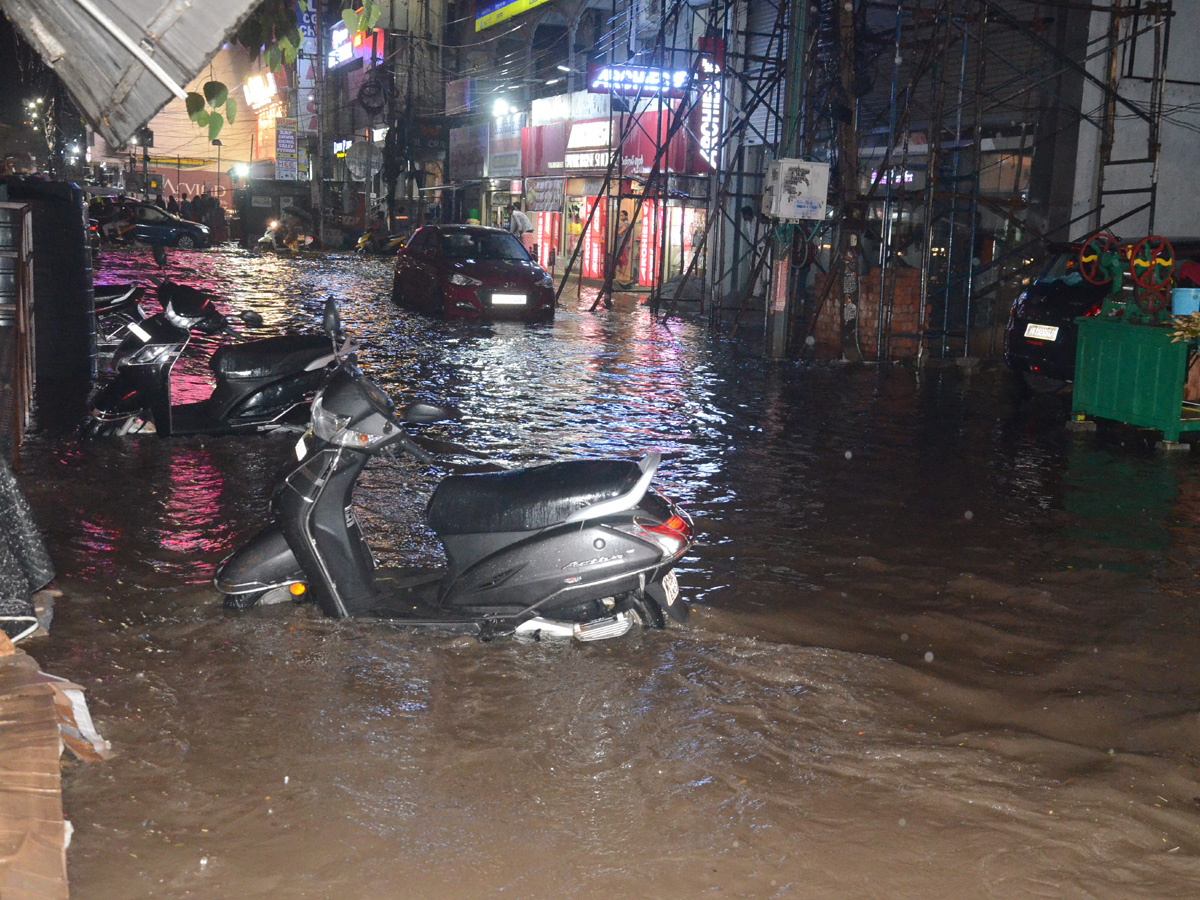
<point>1064,267</point>
<point>487,245</point>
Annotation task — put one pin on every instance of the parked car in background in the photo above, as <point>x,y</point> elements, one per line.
<point>1039,341</point>
<point>125,219</point>
<point>471,271</point>
<point>152,225</point>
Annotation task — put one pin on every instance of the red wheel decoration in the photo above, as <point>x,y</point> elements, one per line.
<point>1091,253</point>
<point>1153,299</point>
<point>1152,263</point>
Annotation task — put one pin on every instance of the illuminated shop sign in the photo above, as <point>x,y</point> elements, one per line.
<point>341,147</point>
<point>710,108</point>
<point>645,81</point>
<point>493,12</point>
<point>895,176</point>
<point>344,46</point>
<point>259,90</point>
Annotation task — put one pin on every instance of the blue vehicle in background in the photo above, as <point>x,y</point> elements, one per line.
<point>129,220</point>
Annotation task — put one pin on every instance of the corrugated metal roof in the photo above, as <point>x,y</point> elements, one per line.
<point>114,90</point>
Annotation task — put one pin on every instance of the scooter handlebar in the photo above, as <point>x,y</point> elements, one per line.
<point>409,446</point>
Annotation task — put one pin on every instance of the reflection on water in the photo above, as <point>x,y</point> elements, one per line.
<point>943,646</point>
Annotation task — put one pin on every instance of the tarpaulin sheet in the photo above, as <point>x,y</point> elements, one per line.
<point>113,90</point>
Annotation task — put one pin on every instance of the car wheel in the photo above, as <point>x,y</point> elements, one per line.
<point>397,294</point>
<point>185,242</point>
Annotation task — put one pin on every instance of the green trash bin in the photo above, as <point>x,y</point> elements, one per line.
<point>1133,374</point>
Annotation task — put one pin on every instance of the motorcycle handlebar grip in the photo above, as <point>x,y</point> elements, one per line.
<point>410,447</point>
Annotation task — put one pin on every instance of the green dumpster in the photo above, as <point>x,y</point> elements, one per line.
<point>1133,374</point>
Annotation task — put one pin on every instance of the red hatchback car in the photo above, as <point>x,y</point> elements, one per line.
<point>469,271</point>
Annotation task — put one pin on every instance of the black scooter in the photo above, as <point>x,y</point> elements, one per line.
<point>261,385</point>
<point>581,549</point>
<point>116,306</point>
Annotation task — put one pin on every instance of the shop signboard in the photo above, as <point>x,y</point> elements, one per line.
<point>544,194</point>
<point>345,47</point>
<point>468,151</point>
<point>493,12</point>
<point>548,225</point>
<point>652,215</point>
<point>589,145</point>
<point>504,146</point>
<point>287,167</point>
<point>593,237</point>
<point>638,81</point>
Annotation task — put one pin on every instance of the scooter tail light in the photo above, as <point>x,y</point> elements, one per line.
<point>672,536</point>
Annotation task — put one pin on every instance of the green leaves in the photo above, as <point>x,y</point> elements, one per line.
<point>216,93</point>
<point>195,104</point>
<point>362,20</point>
<point>205,109</point>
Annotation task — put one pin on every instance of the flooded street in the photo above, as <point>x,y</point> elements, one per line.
<point>941,646</point>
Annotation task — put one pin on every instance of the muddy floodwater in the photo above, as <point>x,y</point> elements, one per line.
<point>941,645</point>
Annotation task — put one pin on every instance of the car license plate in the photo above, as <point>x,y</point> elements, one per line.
<point>508,299</point>
<point>1041,332</point>
<point>671,587</point>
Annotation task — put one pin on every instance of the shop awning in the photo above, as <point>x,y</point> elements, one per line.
<point>122,62</point>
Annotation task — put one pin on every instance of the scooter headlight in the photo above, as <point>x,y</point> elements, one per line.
<point>148,354</point>
<point>325,424</point>
<point>336,429</point>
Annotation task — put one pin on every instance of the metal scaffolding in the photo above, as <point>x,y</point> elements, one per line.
<point>953,130</point>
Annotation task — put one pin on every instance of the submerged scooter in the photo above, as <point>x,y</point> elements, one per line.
<point>583,549</point>
<point>116,306</point>
<point>261,385</point>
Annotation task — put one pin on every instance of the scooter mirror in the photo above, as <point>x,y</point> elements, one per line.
<point>251,318</point>
<point>333,321</point>
<point>426,413</point>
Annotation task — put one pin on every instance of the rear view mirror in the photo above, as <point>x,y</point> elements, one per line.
<point>426,413</point>
<point>333,321</point>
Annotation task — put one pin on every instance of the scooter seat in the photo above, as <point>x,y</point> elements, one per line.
<point>526,499</point>
<point>270,356</point>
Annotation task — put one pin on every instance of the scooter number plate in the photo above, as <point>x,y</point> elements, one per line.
<point>671,587</point>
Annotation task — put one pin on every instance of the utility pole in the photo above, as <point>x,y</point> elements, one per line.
<point>318,163</point>
<point>847,145</point>
<point>779,304</point>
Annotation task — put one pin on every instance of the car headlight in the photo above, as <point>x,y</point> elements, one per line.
<point>462,280</point>
<point>547,281</point>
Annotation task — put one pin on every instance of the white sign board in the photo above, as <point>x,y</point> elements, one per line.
<point>796,189</point>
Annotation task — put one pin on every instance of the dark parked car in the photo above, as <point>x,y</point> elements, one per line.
<point>1039,342</point>
<point>152,225</point>
<point>470,271</point>
<point>126,219</point>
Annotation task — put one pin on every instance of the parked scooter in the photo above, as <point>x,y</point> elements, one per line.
<point>368,246</point>
<point>581,549</point>
<point>116,305</point>
<point>261,385</point>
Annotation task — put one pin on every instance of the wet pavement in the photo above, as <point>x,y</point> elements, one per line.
<point>941,645</point>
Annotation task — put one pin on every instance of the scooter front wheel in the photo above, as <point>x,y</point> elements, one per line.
<point>243,601</point>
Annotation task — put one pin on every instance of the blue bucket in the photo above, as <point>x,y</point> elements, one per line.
<point>1185,301</point>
